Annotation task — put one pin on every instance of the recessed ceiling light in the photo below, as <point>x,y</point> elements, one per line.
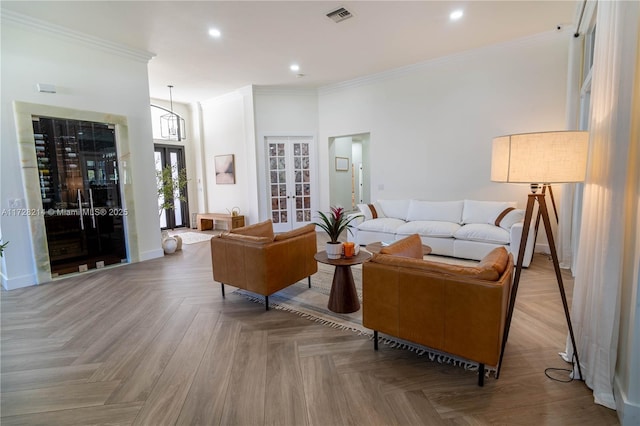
<point>295,67</point>
<point>456,14</point>
<point>214,32</point>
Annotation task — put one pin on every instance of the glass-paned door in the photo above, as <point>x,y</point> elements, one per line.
<point>172,157</point>
<point>80,190</point>
<point>290,181</point>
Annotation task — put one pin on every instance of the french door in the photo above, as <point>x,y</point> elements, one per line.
<point>291,185</point>
<point>172,156</point>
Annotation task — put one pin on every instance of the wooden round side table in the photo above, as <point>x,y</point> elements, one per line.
<point>343,298</point>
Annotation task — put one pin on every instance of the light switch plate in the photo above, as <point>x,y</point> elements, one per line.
<point>15,203</point>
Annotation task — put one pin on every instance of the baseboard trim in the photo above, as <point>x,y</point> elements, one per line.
<point>151,254</point>
<point>542,248</point>
<point>18,282</point>
<point>628,411</point>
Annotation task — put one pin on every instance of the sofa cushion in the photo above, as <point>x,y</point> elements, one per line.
<point>445,211</point>
<point>410,246</point>
<point>260,229</point>
<point>429,228</point>
<point>508,217</point>
<point>483,211</point>
<point>483,232</point>
<point>385,224</point>
<point>397,209</point>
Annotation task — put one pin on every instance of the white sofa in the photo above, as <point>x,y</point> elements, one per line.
<point>465,229</point>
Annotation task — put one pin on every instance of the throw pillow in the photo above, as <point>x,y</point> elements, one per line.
<point>508,217</point>
<point>379,210</point>
<point>365,211</point>
<point>500,216</point>
<point>371,211</point>
<point>368,211</point>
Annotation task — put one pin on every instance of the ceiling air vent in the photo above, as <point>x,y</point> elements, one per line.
<point>339,15</point>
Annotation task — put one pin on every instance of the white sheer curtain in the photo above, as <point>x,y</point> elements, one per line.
<point>610,203</point>
<point>568,224</point>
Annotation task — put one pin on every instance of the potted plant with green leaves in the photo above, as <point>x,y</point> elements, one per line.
<point>334,223</point>
<point>2,247</point>
<point>171,183</point>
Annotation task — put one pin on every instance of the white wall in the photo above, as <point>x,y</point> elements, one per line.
<point>105,79</point>
<point>282,112</point>
<point>431,125</point>
<point>228,128</point>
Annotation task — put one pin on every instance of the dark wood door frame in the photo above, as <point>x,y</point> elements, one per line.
<point>165,151</point>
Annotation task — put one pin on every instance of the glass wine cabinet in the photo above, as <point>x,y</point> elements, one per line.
<point>80,190</point>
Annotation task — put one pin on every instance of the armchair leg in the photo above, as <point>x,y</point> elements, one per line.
<point>266,303</point>
<point>309,279</point>
<point>480,374</point>
<point>222,288</point>
<point>375,340</point>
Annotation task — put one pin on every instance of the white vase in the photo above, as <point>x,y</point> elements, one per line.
<point>169,245</point>
<point>334,250</point>
<point>179,241</point>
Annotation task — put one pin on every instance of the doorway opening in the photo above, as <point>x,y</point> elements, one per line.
<point>349,170</point>
<point>172,157</point>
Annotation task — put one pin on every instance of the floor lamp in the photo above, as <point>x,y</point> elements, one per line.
<point>547,157</point>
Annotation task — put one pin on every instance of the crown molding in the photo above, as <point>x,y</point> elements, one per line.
<point>397,72</point>
<point>222,99</point>
<point>283,90</point>
<point>31,24</point>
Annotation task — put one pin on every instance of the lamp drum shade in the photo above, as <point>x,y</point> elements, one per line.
<point>546,157</point>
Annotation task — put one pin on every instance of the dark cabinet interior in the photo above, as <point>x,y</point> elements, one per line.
<point>80,190</point>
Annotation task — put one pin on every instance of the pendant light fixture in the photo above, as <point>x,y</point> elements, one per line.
<point>172,125</point>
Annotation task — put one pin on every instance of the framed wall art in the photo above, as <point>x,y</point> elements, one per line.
<point>225,169</point>
<point>342,164</point>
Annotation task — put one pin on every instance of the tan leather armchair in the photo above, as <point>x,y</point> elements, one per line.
<point>455,309</point>
<point>257,260</point>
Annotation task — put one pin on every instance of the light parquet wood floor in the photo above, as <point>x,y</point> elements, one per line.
<point>155,343</point>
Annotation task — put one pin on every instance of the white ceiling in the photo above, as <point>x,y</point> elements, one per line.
<point>260,39</point>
